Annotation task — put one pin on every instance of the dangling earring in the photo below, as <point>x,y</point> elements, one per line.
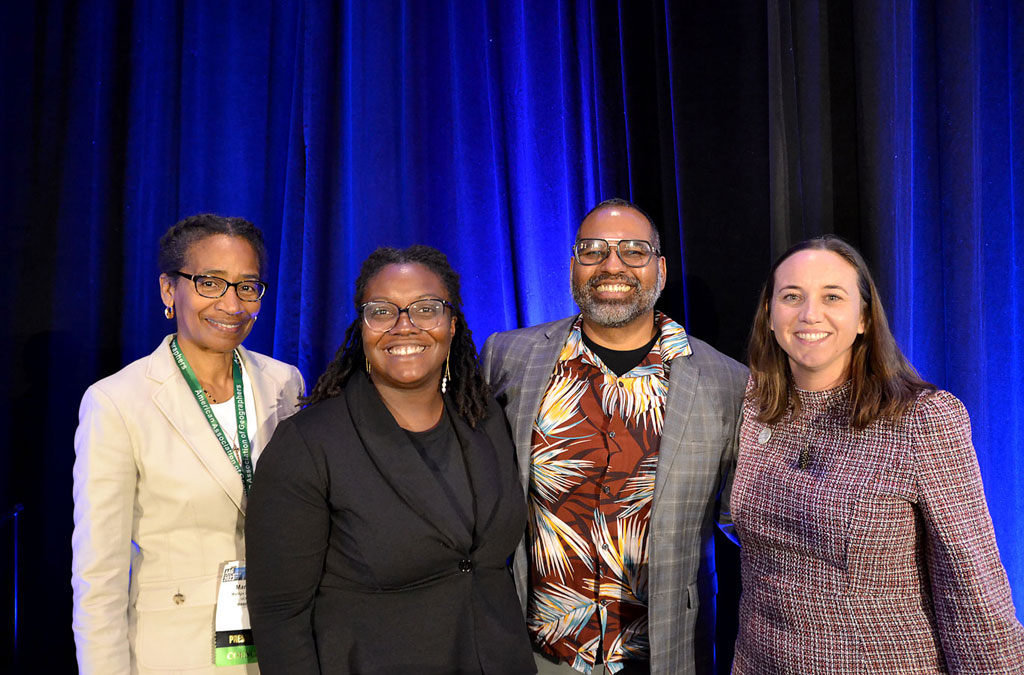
<point>367,365</point>
<point>169,311</point>
<point>447,375</point>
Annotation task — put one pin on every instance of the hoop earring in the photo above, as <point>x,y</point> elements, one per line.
<point>169,311</point>
<point>367,365</point>
<point>447,374</point>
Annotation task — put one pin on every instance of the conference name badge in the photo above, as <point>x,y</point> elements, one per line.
<point>233,644</point>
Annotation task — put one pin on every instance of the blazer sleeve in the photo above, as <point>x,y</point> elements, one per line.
<point>487,359</point>
<point>738,384</point>
<point>104,495</point>
<point>286,532</point>
<point>725,523</point>
<point>974,610</point>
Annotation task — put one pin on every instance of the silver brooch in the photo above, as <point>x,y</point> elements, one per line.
<point>765,434</point>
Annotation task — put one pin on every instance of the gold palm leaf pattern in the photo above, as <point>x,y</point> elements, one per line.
<point>559,404</point>
<point>638,399</point>
<point>624,556</point>
<point>575,593</point>
<point>640,487</point>
<point>550,536</point>
<point>551,476</point>
<point>632,643</point>
<point>557,610</point>
<point>585,655</point>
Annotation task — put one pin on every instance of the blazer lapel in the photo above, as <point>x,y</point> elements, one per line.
<point>176,402</point>
<point>480,451</point>
<point>682,389</point>
<point>540,363</point>
<point>398,462</point>
<point>265,391</point>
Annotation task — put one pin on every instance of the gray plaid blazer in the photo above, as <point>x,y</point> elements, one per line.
<point>691,491</point>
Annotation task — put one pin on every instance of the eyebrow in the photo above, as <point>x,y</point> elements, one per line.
<point>210,273</point>
<point>827,287</point>
<point>425,296</point>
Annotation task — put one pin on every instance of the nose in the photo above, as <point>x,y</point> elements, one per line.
<point>403,324</point>
<point>613,263</point>
<point>810,311</point>
<point>230,302</point>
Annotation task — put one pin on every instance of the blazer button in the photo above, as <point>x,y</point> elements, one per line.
<point>466,565</point>
<point>179,599</point>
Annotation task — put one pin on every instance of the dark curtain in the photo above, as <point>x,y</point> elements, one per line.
<point>900,126</point>
<point>487,129</point>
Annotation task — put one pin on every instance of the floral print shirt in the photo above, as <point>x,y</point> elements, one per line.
<point>593,464</point>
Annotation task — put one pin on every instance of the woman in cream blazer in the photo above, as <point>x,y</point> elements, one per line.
<point>159,506</point>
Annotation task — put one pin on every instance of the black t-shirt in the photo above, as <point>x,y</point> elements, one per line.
<point>620,362</point>
<point>440,450</point>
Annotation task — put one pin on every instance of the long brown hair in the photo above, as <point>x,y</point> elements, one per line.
<point>885,385</point>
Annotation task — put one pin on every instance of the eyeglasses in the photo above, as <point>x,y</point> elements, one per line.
<point>248,290</point>
<point>632,252</point>
<point>424,314</point>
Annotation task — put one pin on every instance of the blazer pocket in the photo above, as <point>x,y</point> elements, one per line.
<point>692,596</point>
<point>175,624</point>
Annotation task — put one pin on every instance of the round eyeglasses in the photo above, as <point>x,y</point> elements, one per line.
<point>632,252</point>
<point>248,290</point>
<point>423,314</point>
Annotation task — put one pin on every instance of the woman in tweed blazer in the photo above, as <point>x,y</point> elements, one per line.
<point>867,543</point>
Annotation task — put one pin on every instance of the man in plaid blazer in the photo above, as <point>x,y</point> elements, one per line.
<point>644,550</point>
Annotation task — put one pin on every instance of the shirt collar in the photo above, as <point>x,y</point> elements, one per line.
<point>672,342</point>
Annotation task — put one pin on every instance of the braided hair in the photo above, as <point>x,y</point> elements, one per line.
<point>468,389</point>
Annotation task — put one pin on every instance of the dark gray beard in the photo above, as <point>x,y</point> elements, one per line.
<point>615,313</point>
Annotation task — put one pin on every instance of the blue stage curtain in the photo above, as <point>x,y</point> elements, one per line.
<point>900,125</point>
<point>487,128</point>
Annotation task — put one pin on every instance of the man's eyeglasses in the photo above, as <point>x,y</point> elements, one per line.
<point>632,252</point>
<point>248,290</point>
<point>424,314</point>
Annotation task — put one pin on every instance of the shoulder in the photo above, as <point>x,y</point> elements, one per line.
<point>125,385</point>
<point>327,416</point>
<point>717,365</point>
<point>938,413</point>
<point>509,339</point>
<point>271,367</point>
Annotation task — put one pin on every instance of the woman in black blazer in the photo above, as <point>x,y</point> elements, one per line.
<point>383,515</point>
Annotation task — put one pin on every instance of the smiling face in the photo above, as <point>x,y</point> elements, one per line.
<point>816,315</point>
<point>407,357</point>
<point>610,293</point>
<point>213,324</point>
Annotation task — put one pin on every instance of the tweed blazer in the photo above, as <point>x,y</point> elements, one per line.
<point>695,461</point>
<point>868,551</point>
<point>158,508</point>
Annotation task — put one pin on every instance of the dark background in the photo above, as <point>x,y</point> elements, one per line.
<point>487,129</point>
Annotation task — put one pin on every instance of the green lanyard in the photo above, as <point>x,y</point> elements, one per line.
<point>245,469</point>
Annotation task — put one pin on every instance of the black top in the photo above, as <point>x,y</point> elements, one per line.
<point>354,563</point>
<point>440,450</point>
<point>620,362</point>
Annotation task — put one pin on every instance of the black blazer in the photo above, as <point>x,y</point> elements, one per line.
<point>356,563</point>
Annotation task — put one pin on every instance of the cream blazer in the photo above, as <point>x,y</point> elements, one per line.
<point>158,508</point>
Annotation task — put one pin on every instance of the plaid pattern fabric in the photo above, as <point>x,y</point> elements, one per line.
<point>868,551</point>
<point>695,458</point>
